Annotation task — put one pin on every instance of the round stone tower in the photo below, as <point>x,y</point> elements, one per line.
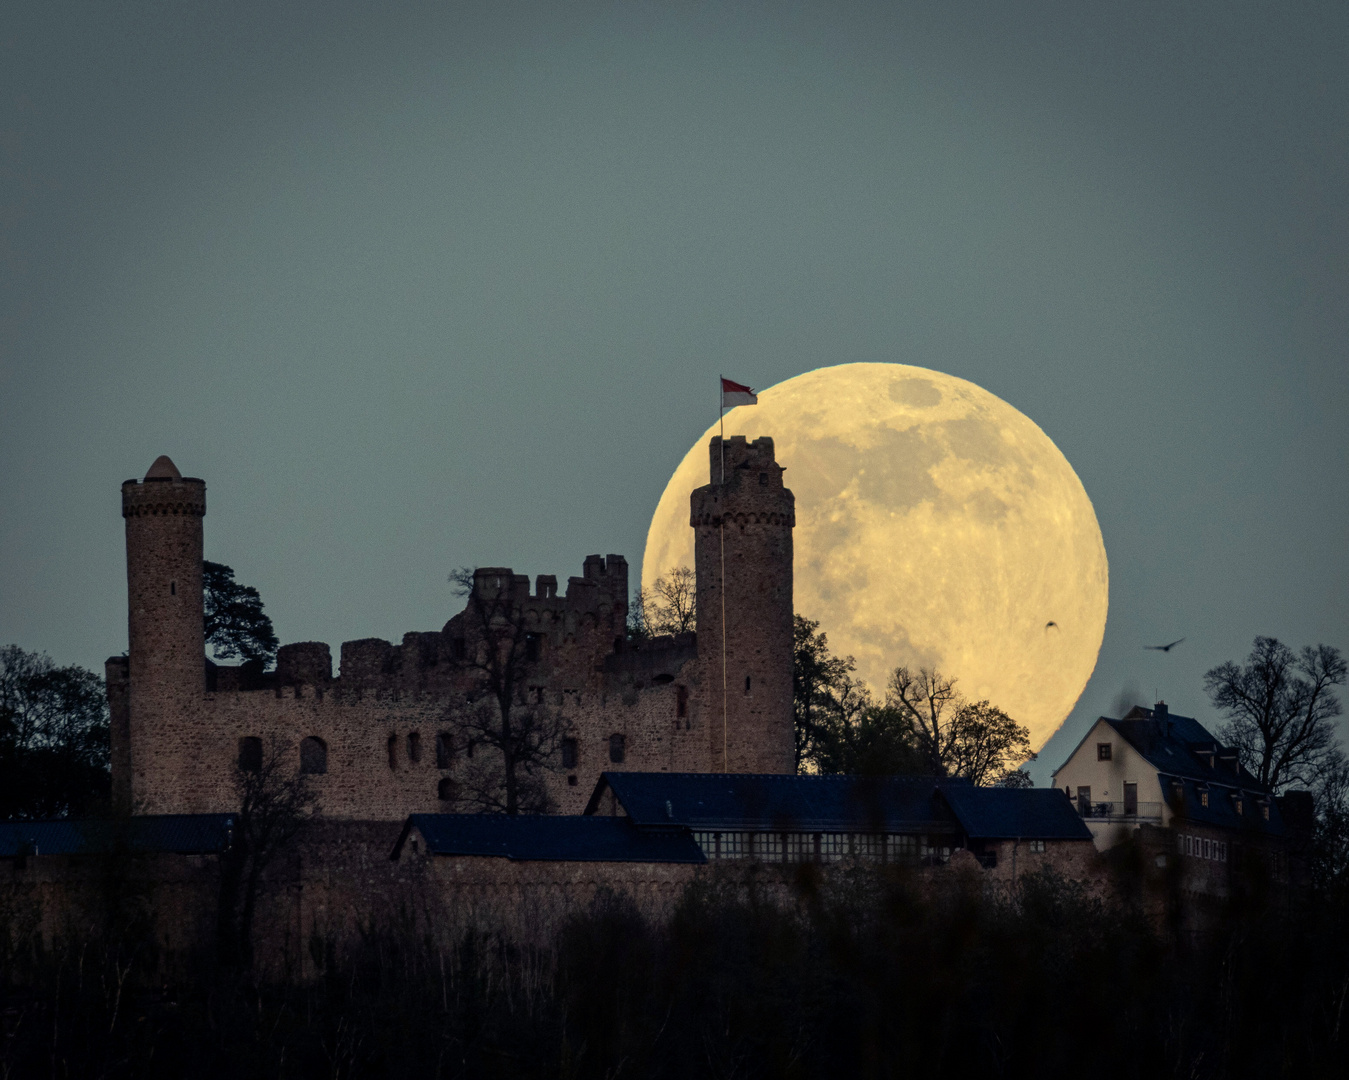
<point>743,524</point>
<point>166,677</point>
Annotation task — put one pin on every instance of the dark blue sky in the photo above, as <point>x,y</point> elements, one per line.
<point>452,285</point>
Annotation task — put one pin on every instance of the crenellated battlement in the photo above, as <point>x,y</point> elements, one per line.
<point>382,727</point>
<point>162,496</point>
<point>744,461</point>
<point>752,493</point>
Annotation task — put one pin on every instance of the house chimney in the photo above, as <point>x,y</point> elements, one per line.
<point>1162,715</point>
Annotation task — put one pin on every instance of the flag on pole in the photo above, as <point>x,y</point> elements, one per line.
<point>732,393</point>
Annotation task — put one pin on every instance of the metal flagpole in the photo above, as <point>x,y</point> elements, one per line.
<point>721,533</point>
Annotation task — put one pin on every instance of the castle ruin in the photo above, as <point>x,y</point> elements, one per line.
<point>386,737</point>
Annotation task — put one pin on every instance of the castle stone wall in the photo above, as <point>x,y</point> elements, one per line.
<point>743,525</point>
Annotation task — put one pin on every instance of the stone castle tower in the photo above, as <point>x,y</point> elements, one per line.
<point>743,524</point>
<point>384,738</point>
<point>162,681</point>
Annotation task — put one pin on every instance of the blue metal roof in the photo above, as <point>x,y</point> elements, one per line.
<point>186,834</point>
<point>989,813</point>
<point>551,837</point>
<point>1181,746</point>
<point>1184,796</point>
<point>781,803</point>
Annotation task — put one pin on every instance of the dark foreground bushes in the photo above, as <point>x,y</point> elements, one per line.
<point>866,977</point>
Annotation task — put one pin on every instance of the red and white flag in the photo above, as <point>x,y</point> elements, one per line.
<point>732,393</point>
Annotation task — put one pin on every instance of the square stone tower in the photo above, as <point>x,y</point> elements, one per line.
<point>743,523</point>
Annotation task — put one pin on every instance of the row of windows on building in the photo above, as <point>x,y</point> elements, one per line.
<point>799,847</point>
<point>1201,847</point>
<point>314,752</point>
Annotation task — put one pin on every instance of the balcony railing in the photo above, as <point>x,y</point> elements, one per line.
<point>1118,811</point>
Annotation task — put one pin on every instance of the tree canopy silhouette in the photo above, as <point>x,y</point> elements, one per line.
<point>53,737</point>
<point>233,619</point>
<point>1281,708</point>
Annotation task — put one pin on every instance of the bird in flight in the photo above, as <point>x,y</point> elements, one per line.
<point>1165,648</point>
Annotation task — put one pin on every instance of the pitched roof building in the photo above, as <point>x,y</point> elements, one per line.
<point>1156,768</point>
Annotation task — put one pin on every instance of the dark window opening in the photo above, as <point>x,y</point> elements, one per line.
<point>250,754</point>
<point>681,701</point>
<point>1102,751</point>
<point>747,684</point>
<point>444,750</point>
<point>662,680</point>
<point>445,789</point>
<point>392,747</point>
<point>571,780</point>
<point>173,588</point>
<point>569,753</point>
<point>414,747</point>
<point>531,647</point>
<point>618,750</point>
<point>763,479</point>
<point>458,649</point>
<point>313,755</point>
<point>1130,800</point>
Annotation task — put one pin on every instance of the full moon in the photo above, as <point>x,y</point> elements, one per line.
<point>936,526</point>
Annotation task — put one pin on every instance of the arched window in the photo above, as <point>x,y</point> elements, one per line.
<point>445,789</point>
<point>414,747</point>
<point>618,750</point>
<point>250,754</point>
<point>313,755</point>
<point>444,750</point>
<point>569,753</point>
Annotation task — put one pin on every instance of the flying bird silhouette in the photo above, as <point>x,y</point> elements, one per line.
<point>1165,648</point>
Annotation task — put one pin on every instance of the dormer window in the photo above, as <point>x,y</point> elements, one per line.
<point>1102,751</point>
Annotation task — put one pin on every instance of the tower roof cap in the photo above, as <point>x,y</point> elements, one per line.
<point>163,469</point>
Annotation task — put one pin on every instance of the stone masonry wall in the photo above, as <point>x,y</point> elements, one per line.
<point>744,524</point>
<point>178,719</point>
